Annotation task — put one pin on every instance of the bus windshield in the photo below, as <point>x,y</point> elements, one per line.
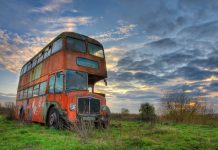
<point>76,80</point>
<point>95,50</point>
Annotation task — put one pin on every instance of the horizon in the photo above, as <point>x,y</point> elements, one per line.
<point>150,47</point>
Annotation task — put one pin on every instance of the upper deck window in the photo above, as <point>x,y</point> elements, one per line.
<point>40,58</point>
<point>76,45</point>
<point>29,65</point>
<point>57,45</point>
<point>95,50</point>
<point>47,52</point>
<point>34,61</point>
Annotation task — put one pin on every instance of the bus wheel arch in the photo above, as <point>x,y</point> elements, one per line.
<point>53,118</point>
<point>47,113</point>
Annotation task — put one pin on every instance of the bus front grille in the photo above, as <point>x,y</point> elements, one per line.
<point>88,106</point>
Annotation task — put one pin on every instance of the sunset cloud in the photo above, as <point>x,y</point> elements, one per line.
<point>51,6</point>
<point>150,48</point>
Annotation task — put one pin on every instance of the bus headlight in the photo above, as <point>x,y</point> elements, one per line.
<point>72,106</point>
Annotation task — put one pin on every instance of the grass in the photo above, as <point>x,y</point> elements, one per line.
<point>122,135</point>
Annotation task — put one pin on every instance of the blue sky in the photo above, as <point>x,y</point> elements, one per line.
<point>151,46</point>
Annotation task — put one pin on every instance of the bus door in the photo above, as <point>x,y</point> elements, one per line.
<point>56,89</point>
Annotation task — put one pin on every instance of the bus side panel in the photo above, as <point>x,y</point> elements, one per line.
<point>37,106</point>
<point>18,108</point>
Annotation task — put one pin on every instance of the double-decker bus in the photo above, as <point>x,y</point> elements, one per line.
<point>58,82</point>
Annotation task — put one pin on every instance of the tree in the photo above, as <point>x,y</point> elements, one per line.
<point>124,111</point>
<point>180,106</point>
<point>147,112</point>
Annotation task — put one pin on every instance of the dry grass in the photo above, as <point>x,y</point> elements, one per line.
<point>83,129</point>
<point>8,110</point>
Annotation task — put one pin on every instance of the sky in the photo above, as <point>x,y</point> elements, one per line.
<point>151,47</point>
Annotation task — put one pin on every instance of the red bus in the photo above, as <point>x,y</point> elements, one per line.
<point>58,82</point>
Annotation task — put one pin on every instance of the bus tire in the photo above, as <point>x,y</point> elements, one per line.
<point>105,124</point>
<point>54,119</point>
<point>21,114</point>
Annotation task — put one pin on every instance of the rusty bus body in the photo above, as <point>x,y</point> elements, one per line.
<point>54,84</point>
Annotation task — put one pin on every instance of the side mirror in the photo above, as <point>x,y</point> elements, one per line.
<point>105,82</point>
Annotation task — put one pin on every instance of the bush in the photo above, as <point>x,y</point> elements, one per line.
<point>182,107</point>
<point>147,112</point>
<point>124,111</point>
<point>8,110</point>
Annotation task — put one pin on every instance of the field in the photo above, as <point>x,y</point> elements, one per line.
<point>121,135</point>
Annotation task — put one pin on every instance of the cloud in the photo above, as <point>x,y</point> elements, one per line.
<point>53,5</point>
<point>192,73</point>
<point>7,97</point>
<point>205,31</point>
<point>61,24</point>
<point>208,63</point>
<point>120,33</point>
<point>16,49</point>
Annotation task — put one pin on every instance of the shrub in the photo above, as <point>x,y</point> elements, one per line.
<point>8,110</point>
<point>180,106</point>
<point>124,111</point>
<point>147,112</point>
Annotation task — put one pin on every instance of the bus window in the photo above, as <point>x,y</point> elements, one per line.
<point>29,65</point>
<point>21,72</point>
<point>25,93</point>
<point>40,58</point>
<point>76,80</point>
<point>47,52</point>
<point>21,95</point>
<point>95,50</point>
<point>51,84</point>
<point>87,63</point>
<point>34,61</point>
<point>30,92</point>
<point>57,45</point>
<point>76,45</point>
<point>59,82</point>
<point>36,90</point>
<point>24,69</point>
<point>42,88</point>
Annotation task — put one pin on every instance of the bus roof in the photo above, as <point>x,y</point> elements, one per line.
<point>71,34</point>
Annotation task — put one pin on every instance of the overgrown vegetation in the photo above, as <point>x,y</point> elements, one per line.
<point>178,106</point>
<point>147,113</point>
<point>121,135</point>
<point>8,110</point>
<point>181,127</point>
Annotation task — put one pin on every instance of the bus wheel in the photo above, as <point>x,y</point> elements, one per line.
<point>21,115</point>
<point>105,124</point>
<point>54,120</point>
